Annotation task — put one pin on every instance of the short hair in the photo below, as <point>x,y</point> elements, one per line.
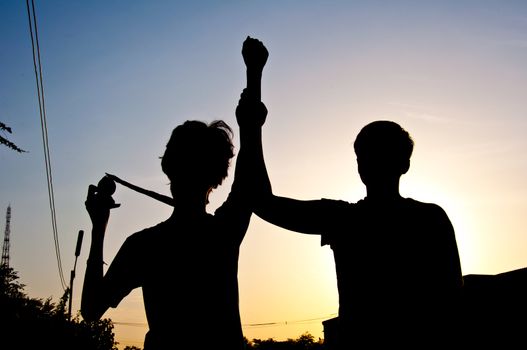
<point>202,151</point>
<point>384,137</point>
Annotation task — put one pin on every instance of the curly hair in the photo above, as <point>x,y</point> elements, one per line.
<point>199,151</point>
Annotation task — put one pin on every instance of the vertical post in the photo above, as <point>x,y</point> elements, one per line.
<point>72,275</point>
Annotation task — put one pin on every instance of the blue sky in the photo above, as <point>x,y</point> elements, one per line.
<point>119,75</point>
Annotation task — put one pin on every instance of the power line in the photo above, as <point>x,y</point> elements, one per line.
<point>285,323</point>
<point>37,65</point>
<point>245,325</point>
<point>251,325</point>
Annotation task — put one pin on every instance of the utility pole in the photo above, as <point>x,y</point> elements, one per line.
<point>72,275</point>
<point>5,247</point>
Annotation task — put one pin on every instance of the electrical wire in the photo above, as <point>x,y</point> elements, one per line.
<point>251,325</point>
<point>37,65</point>
<point>282,323</point>
<point>245,325</point>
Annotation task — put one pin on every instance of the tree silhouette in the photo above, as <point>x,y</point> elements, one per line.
<point>31,323</point>
<point>4,128</point>
<point>306,341</point>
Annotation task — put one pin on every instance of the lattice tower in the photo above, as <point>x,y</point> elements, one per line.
<point>5,247</point>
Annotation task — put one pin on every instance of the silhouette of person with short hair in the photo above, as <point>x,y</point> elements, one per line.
<point>397,264</point>
<point>187,265</point>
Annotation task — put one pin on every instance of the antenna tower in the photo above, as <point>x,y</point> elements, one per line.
<point>5,247</point>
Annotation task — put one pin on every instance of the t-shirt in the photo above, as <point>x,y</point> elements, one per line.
<point>397,265</point>
<point>187,269</point>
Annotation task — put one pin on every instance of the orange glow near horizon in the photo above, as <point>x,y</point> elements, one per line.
<point>451,73</point>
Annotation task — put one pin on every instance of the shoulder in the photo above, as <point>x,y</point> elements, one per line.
<point>335,208</point>
<point>424,205</point>
<point>335,211</point>
<point>145,235</point>
<point>335,203</point>
<point>426,209</point>
<point>337,214</point>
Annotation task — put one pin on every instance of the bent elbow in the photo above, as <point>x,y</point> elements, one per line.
<point>90,313</point>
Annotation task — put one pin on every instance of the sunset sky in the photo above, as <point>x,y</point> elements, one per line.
<point>120,75</point>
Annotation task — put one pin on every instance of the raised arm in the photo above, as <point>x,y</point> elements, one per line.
<point>250,116</point>
<point>255,57</point>
<point>98,204</point>
<point>291,214</point>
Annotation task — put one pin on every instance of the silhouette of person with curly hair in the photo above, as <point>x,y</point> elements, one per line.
<point>187,265</point>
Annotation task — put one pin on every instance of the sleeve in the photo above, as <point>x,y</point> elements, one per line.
<point>336,214</point>
<point>453,274</point>
<point>235,214</point>
<point>124,273</point>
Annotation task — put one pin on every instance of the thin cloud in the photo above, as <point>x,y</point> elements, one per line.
<point>418,112</point>
<point>515,43</point>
